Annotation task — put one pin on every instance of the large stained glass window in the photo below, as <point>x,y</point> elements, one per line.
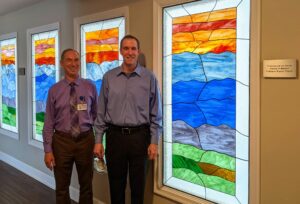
<point>45,72</point>
<point>100,48</point>
<point>9,85</point>
<point>206,99</point>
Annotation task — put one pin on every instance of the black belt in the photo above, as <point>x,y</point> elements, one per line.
<point>127,130</point>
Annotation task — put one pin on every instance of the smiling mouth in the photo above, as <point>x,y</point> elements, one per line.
<point>130,58</point>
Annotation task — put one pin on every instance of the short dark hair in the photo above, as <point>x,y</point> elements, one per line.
<point>130,37</point>
<point>65,51</point>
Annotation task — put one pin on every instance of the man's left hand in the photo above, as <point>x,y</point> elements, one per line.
<point>152,151</point>
<point>99,150</point>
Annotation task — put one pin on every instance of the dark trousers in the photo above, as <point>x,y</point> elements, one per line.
<point>68,151</point>
<point>127,150</point>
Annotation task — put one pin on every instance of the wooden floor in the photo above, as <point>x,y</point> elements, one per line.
<point>18,188</point>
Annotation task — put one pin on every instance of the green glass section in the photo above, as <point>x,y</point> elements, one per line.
<point>187,151</point>
<point>218,184</point>
<point>188,175</point>
<point>186,166</point>
<point>104,140</point>
<point>210,157</point>
<point>182,162</point>
<point>8,115</point>
<point>218,159</point>
<point>39,122</point>
<point>208,181</point>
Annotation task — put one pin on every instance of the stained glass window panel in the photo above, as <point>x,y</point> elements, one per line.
<point>100,48</point>
<point>206,99</point>
<point>9,84</point>
<point>45,73</point>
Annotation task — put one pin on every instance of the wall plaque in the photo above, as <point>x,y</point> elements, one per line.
<point>281,68</point>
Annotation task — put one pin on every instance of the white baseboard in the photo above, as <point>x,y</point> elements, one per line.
<point>39,175</point>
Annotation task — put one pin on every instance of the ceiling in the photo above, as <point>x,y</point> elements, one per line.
<point>7,6</point>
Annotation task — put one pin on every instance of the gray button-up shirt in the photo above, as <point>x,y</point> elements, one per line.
<point>129,100</point>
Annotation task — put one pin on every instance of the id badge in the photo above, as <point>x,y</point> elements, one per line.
<point>81,106</point>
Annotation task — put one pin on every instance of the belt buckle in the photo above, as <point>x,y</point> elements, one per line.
<point>126,131</point>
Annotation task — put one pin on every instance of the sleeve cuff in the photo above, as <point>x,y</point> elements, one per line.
<point>47,148</point>
<point>154,140</point>
<point>98,140</point>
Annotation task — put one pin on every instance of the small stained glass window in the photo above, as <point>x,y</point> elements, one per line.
<point>9,85</point>
<point>45,73</point>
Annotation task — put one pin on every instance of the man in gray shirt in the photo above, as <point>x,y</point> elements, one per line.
<point>129,112</point>
<point>68,134</point>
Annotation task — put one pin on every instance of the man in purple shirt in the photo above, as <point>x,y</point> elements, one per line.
<point>129,112</point>
<point>72,97</point>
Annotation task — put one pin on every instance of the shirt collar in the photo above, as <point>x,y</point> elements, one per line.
<point>76,82</point>
<point>138,70</point>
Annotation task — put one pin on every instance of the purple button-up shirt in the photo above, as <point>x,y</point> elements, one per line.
<point>58,108</point>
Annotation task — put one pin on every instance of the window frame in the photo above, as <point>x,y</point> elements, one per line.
<point>4,131</point>
<point>30,32</point>
<point>254,127</point>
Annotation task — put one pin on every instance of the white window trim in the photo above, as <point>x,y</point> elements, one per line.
<point>9,133</point>
<point>254,160</point>
<point>101,16</point>
<point>12,134</point>
<point>30,32</point>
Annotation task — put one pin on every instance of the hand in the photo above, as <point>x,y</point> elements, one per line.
<point>49,160</point>
<point>152,151</point>
<point>99,150</point>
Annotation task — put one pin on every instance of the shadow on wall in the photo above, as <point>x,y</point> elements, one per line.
<point>142,59</point>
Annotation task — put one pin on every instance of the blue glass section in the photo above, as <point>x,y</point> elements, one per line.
<point>41,78</point>
<point>219,66</point>
<point>42,88</point>
<point>219,112</point>
<point>187,66</point>
<point>190,66</point>
<point>186,91</point>
<point>9,85</point>
<point>49,70</point>
<point>98,84</point>
<point>204,95</point>
<point>213,112</point>
<point>45,78</point>
<point>219,89</point>
<point>95,71</point>
<point>190,113</point>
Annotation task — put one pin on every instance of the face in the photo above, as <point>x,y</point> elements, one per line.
<point>130,52</point>
<point>71,64</point>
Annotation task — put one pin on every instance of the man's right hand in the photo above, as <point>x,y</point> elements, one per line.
<point>99,150</point>
<point>49,160</point>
